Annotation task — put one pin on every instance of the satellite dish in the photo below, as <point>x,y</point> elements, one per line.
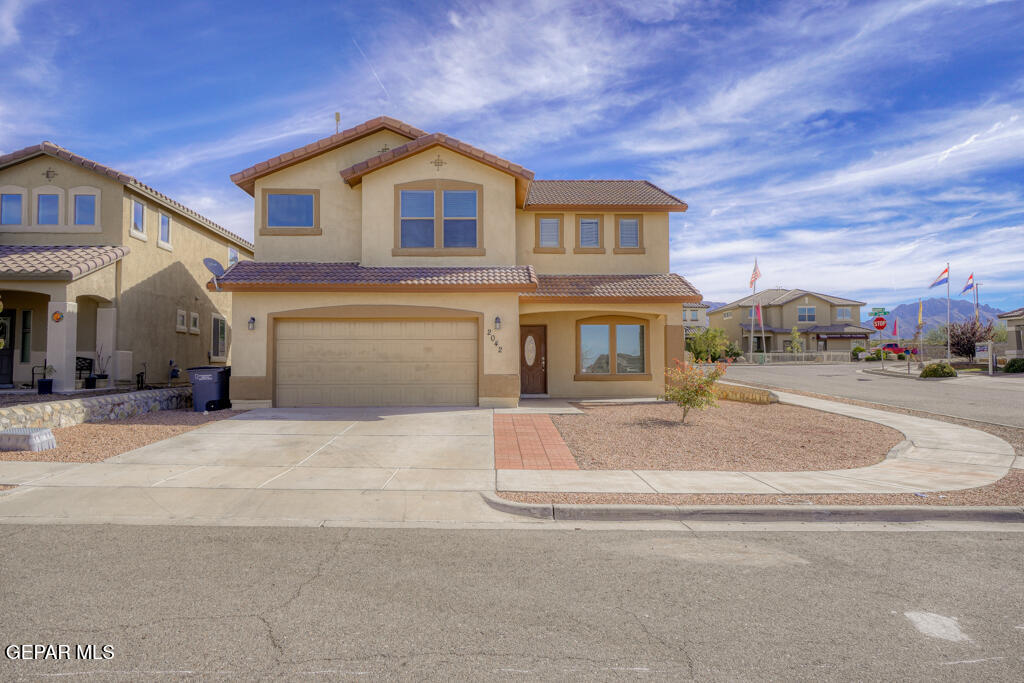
<point>214,267</point>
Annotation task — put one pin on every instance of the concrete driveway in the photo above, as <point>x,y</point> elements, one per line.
<point>307,466</point>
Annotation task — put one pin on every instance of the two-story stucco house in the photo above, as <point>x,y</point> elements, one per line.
<point>100,271</point>
<point>397,267</point>
<point>823,321</point>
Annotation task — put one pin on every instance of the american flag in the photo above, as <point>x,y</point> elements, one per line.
<point>756,275</point>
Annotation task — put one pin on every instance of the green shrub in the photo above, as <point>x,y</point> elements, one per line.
<point>900,356</point>
<point>1015,365</point>
<point>732,351</point>
<point>689,386</point>
<point>940,369</point>
<point>877,355</point>
<point>856,351</point>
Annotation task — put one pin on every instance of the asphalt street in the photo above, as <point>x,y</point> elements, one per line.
<point>229,603</point>
<point>998,399</point>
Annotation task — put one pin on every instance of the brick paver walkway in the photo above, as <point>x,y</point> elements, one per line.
<point>529,442</point>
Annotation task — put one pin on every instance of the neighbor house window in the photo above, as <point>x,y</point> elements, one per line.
<point>629,234</point>
<point>85,209</point>
<point>180,321</point>
<point>843,314</point>
<point>232,256</point>
<point>589,235</point>
<point>437,218</point>
<point>612,348</point>
<point>693,316</point>
<point>48,209</point>
<point>10,209</point>
<point>548,234</point>
<point>26,336</point>
<point>138,217</point>
<point>727,315</point>
<point>291,212</point>
<point>193,323</point>
<point>805,314</point>
<point>219,340</point>
<point>165,230</point>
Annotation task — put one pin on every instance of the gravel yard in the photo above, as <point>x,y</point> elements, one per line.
<point>730,436</point>
<point>96,441</point>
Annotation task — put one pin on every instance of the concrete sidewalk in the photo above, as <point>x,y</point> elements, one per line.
<point>936,456</point>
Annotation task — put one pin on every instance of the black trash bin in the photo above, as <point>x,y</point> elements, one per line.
<point>210,387</point>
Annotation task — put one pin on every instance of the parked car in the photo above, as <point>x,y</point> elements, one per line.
<point>893,347</point>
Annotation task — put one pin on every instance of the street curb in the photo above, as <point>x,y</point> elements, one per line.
<point>886,373</point>
<point>756,513</point>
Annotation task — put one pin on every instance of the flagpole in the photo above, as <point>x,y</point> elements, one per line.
<point>752,298</point>
<point>949,355</point>
<point>764,346</point>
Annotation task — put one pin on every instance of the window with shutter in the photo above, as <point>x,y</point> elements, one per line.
<point>589,238</point>
<point>629,234</point>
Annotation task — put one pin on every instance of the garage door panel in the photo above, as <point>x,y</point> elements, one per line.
<point>368,362</point>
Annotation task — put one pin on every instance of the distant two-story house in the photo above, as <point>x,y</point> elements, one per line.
<point>1015,327</point>
<point>824,322</point>
<point>397,267</point>
<point>695,317</point>
<point>100,272</point>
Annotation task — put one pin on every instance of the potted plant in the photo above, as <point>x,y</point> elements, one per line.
<point>46,381</point>
<point>102,362</point>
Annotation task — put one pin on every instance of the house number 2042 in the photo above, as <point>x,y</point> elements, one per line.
<point>494,339</point>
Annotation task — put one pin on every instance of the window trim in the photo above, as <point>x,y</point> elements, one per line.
<point>640,248</point>
<point>193,317</point>
<point>94,192</point>
<point>537,248</point>
<point>37,194</point>
<point>265,229</point>
<point>438,187</point>
<point>214,317</point>
<point>137,234</point>
<point>814,314</point>
<point>181,321</point>
<point>599,249</point>
<point>159,229</point>
<point>612,321</point>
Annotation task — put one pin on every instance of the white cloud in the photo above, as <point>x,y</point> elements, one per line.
<point>11,12</point>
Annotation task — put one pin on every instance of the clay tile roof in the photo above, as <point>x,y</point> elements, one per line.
<point>305,276</point>
<point>354,174</point>
<point>59,152</point>
<point>636,195</point>
<point>667,287</point>
<point>26,262</point>
<point>1016,313</point>
<point>246,179</point>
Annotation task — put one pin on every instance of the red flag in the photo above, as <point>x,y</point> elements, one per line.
<point>896,327</point>
<point>756,275</point>
<point>759,315</point>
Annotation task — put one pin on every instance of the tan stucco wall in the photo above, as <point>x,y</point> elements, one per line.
<point>654,260</point>
<point>155,283</point>
<point>29,175</point>
<point>379,209</point>
<point>340,205</point>
<point>252,378</point>
<point>561,340</point>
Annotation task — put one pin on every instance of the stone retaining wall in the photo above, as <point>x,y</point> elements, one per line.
<point>737,392</point>
<point>74,411</point>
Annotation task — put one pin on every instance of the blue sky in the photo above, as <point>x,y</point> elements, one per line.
<point>852,147</point>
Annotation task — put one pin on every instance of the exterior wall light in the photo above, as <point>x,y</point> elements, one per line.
<point>252,323</point>
<point>497,322</point>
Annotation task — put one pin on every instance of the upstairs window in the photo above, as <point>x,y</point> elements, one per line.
<point>417,219</point>
<point>589,237</point>
<point>48,209</point>
<point>290,210</point>
<point>459,218</point>
<point>85,209</point>
<point>232,256</point>
<point>10,209</point>
<point>843,314</point>
<point>693,316</point>
<point>727,315</point>
<point>165,229</point>
<point>805,314</point>
<point>629,234</point>
<point>138,217</point>
<point>549,232</point>
<point>438,218</point>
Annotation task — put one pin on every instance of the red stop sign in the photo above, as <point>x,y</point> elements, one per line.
<point>879,323</point>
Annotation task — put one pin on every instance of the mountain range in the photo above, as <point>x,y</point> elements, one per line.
<point>934,315</point>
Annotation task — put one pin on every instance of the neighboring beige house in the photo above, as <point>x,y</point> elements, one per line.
<point>98,269</point>
<point>397,267</point>
<point>824,322</point>
<point>1015,332</point>
<point>695,317</point>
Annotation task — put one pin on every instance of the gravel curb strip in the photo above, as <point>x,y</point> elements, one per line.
<point>886,373</point>
<point>756,513</point>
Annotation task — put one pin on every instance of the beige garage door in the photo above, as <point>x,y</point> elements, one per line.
<point>376,362</point>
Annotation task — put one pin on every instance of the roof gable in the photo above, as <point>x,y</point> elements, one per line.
<point>779,297</point>
<point>56,151</point>
<point>353,175</point>
<point>622,195</point>
<point>246,179</point>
